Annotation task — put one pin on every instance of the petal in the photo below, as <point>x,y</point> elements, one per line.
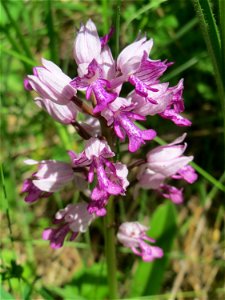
<point>47,233</point>
<point>105,183</point>
<point>151,181</point>
<point>148,134</point>
<point>172,193</point>
<point>119,131</point>
<point>169,168</point>
<point>53,68</point>
<point>87,45</point>
<point>165,153</point>
<point>95,148</point>
<point>107,64</point>
<point>129,59</point>
<point>58,84</point>
<point>187,173</point>
<point>52,176</point>
<point>170,114</point>
<point>135,143</point>
<point>65,114</point>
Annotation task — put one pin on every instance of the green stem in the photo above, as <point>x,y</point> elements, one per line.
<point>110,249</point>
<point>215,42</point>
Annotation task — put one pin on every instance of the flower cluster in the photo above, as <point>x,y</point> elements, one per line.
<point>96,172</point>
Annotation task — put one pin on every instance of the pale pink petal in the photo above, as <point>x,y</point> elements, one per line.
<point>52,176</point>
<point>58,83</point>
<point>172,193</point>
<point>107,63</point>
<point>65,114</point>
<point>94,148</point>
<point>53,68</point>
<point>169,168</point>
<point>87,45</point>
<point>118,103</point>
<point>151,180</point>
<point>165,153</point>
<point>122,173</point>
<point>130,58</point>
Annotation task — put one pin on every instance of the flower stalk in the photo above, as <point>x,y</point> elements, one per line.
<point>83,106</point>
<point>110,250</point>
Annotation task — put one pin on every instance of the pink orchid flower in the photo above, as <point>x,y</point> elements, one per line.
<point>74,218</point>
<point>50,83</point>
<point>133,235</point>
<point>167,162</point>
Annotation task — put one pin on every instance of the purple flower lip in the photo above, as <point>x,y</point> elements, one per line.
<point>137,137</point>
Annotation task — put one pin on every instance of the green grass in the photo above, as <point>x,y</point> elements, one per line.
<point>29,268</point>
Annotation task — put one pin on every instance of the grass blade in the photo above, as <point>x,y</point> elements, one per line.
<point>105,14</point>
<point>19,56</point>
<point>7,205</point>
<point>51,32</point>
<point>212,38</point>
<point>188,64</point>
<point>17,30</point>
<point>152,5</point>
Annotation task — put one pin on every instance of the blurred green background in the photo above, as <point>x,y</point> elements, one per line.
<point>191,234</point>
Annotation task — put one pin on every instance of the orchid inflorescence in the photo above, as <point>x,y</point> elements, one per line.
<point>97,172</point>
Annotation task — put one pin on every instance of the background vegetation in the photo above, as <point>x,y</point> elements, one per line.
<point>191,234</point>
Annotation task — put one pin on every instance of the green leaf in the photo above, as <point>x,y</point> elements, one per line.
<point>68,292</point>
<point>93,281</point>
<point>88,283</point>
<point>212,39</point>
<point>149,276</point>
<point>45,294</point>
<point>5,295</point>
